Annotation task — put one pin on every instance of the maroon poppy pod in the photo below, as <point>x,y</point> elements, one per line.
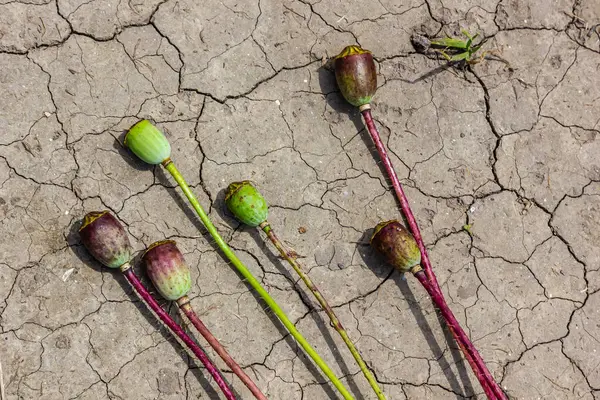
<point>167,269</point>
<point>104,237</point>
<point>397,245</point>
<point>356,75</point>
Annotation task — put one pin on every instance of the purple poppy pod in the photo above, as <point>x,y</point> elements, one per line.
<point>167,269</point>
<point>356,75</point>
<point>105,238</point>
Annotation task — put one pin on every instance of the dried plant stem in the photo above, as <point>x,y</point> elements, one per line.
<point>467,347</point>
<point>186,308</point>
<point>253,282</point>
<point>291,257</point>
<point>479,368</point>
<point>175,328</point>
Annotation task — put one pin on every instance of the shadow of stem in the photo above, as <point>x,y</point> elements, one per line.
<point>437,351</point>
<point>307,300</point>
<point>337,103</point>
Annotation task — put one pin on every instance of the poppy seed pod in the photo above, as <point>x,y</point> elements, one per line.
<point>104,237</point>
<point>246,203</point>
<point>356,75</point>
<point>148,143</point>
<point>167,269</point>
<point>397,245</point>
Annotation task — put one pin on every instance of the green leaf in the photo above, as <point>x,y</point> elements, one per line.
<point>467,228</point>
<point>461,56</point>
<point>450,42</point>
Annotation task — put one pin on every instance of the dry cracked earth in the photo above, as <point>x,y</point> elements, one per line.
<point>502,167</point>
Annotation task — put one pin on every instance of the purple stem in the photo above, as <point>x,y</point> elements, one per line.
<point>175,328</point>
<point>410,218</point>
<point>477,364</point>
<point>187,309</point>
<point>489,385</point>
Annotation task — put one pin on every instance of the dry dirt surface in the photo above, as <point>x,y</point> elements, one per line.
<point>502,168</point>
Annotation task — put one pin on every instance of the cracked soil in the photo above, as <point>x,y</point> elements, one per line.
<point>238,88</point>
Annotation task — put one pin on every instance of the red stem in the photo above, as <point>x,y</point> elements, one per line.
<point>218,347</point>
<point>478,368</point>
<point>489,385</point>
<point>410,218</point>
<point>175,328</point>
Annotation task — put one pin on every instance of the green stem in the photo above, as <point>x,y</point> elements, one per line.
<point>290,257</point>
<point>170,166</point>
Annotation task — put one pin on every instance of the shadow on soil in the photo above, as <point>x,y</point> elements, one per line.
<point>314,310</point>
<point>128,156</point>
<point>338,104</point>
<point>335,100</point>
<point>345,110</point>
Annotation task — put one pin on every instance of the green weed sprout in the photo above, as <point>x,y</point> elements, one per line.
<point>455,50</point>
<point>149,144</point>
<point>458,51</point>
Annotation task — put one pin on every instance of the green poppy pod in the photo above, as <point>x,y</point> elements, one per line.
<point>246,203</point>
<point>148,143</point>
